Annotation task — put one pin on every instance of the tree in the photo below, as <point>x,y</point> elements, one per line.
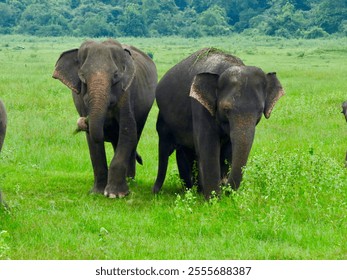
<point>7,19</point>
<point>188,18</point>
<point>159,16</point>
<point>74,4</point>
<point>36,17</point>
<point>95,20</point>
<point>330,15</point>
<point>96,25</point>
<point>214,21</point>
<point>163,25</point>
<point>132,22</point>
<point>280,20</point>
<point>181,4</point>
<point>185,24</point>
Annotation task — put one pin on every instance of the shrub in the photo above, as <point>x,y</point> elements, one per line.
<point>315,32</point>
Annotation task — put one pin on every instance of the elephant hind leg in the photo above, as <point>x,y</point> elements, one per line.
<point>185,161</point>
<point>166,148</point>
<point>131,170</point>
<point>134,156</point>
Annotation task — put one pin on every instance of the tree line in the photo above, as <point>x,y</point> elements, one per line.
<point>187,18</point>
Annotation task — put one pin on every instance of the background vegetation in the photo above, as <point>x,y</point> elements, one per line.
<point>292,203</point>
<point>187,18</point>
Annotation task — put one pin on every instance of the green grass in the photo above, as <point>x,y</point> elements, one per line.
<point>292,203</point>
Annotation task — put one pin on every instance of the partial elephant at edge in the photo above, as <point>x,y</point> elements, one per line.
<point>344,112</point>
<point>3,127</point>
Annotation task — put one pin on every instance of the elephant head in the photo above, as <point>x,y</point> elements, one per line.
<point>101,73</point>
<point>344,109</point>
<point>236,100</point>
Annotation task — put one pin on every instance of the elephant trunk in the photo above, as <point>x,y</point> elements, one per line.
<point>242,140</point>
<point>99,100</point>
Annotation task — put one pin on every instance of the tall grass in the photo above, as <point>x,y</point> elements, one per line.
<point>291,204</point>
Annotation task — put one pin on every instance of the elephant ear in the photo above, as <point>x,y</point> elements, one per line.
<point>66,70</point>
<point>129,69</point>
<point>274,91</point>
<point>203,89</point>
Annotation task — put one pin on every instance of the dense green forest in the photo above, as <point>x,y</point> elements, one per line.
<point>188,18</point>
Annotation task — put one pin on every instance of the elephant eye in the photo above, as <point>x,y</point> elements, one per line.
<point>116,77</point>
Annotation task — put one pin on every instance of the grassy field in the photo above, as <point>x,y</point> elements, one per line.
<point>292,203</point>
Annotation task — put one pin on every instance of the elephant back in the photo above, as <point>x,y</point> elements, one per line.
<point>212,60</point>
<point>146,72</point>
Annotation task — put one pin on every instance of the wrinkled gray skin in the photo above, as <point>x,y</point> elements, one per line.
<point>3,126</point>
<point>209,105</point>
<point>113,88</point>
<point>344,112</point>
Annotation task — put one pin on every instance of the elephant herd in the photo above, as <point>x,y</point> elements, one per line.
<point>209,105</point>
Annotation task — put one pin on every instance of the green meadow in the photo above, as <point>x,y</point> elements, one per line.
<point>292,203</point>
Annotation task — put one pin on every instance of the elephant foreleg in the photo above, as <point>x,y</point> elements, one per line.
<point>99,163</point>
<point>209,165</point>
<point>207,143</point>
<point>125,153</point>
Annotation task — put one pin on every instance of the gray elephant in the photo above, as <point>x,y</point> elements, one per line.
<point>3,126</point>
<point>344,112</point>
<point>209,105</point>
<point>344,109</point>
<point>113,88</point>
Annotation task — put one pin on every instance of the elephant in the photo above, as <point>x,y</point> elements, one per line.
<point>3,123</point>
<point>344,109</point>
<point>3,126</point>
<point>209,105</point>
<point>344,112</point>
<point>113,89</point>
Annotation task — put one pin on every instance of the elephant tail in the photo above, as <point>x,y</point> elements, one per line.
<point>139,159</point>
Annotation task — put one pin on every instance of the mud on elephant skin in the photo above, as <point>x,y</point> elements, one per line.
<point>113,89</point>
<point>209,105</point>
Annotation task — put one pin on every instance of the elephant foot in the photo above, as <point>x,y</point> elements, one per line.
<point>113,193</point>
<point>156,189</point>
<point>97,190</point>
<point>116,195</point>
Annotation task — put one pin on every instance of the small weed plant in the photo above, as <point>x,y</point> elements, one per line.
<point>184,204</point>
<point>4,247</point>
